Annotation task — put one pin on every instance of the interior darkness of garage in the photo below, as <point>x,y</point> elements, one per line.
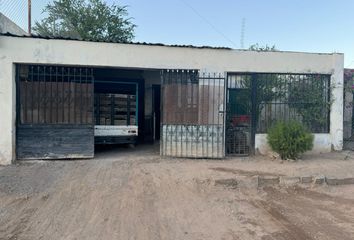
<point>125,97</point>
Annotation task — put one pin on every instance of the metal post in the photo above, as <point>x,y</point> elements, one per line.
<point>29,16</point>
<point>254,113</point>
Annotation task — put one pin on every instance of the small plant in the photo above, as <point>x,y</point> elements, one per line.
<point>289,139</point>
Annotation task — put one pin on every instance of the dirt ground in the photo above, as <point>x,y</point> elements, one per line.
<point>134,194</point>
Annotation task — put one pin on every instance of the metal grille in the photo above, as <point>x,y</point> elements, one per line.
<point>193,119</point>
<point>301,97</point>
<point>255,101</point>
<point>349,109</point>
<point>54,112</point>
<point>55,95</point>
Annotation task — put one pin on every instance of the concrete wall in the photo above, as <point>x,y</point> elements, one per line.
<point>322,144</point>
<point>31,50</point>
<point>8,26</point>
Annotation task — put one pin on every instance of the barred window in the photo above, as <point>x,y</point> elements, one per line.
<point>301,97</point>
<point>283,97</point>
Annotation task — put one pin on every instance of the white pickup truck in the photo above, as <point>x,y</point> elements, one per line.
<point>110,134</point>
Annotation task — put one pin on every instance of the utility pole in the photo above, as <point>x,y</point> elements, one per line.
<point>29,17</point>
<point>242,38</point>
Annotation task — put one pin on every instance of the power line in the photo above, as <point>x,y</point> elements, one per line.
<point>351,63</point>
<point>209,23</point>
<point>15,10</point>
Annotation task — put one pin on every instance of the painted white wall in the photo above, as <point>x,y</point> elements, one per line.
<point>7,111</point>
<point>337,115</point>
<point>42,51</point>
<point>322,143</point>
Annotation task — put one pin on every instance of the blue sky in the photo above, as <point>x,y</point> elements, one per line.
<point>293,25</point>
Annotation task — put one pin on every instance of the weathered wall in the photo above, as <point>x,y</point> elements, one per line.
<point>8,110</point>
<point>31,50</point>
<point>8,26</point>
<point>336,114</point>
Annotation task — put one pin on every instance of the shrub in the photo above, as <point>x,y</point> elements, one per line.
<point>289,139</point>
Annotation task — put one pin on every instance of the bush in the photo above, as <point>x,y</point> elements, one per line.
<point>289,139</point>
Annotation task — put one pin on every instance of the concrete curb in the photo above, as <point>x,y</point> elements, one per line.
<point>339,181</point>
<point>264,181</point>
<point>229,182</point>
<point>268,181</point>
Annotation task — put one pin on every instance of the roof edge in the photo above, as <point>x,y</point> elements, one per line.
<point>33,36</point>
<point>129,43</point>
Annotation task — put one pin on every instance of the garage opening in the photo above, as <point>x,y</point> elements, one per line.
<point>127,106</point>
<point>63,112</point>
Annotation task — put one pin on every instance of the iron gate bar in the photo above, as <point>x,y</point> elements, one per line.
<point>80,82</point>
<point>51,97</point>
<point>42,100</point>
<point>38,92</point>
<point>212,141</point>
<point>208,85</point>
<point>254,119</point>
<point>182,93</point>
<point>69,97</point>
<point>63,95</point>
<point>25,96</point>
<point>203,97</point>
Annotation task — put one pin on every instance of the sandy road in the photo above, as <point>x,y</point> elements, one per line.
<point>143,197</point>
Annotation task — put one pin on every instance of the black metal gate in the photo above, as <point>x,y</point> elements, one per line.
<point>192,114</point>
<point>54,112</point>
<point>348,109</point>
<point>239,114</point>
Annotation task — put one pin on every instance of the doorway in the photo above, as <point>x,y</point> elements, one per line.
<point>238,115</point>
<point>156,111</point>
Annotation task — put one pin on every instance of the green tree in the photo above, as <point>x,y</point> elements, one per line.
<point>86,19</point>
<point>266,48</point>
<point>268,86</point>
